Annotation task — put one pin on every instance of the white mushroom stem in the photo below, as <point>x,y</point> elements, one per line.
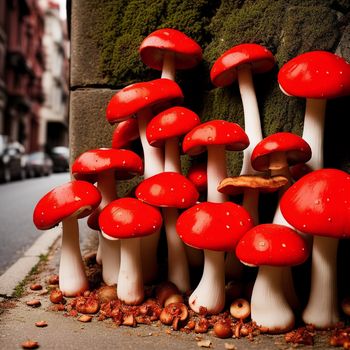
<point>313,131</point>
<point>153,164</point>
<point>108,250</point>
<point>216,172</point>
<point>279,167</point>
<point>172,155</point>
<point>168,70</point>
<point>252,125</point>
<point>233,267</point>
<point>178,272</point>
<point>269,308</point>
<point>210,292</point>
<point>72,277</point>
<point>322,307</point>
<point>130,281</point>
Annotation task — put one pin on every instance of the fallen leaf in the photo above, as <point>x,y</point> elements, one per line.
<point>204,343</point>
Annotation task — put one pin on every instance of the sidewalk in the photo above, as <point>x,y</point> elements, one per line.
<point>17,323</point>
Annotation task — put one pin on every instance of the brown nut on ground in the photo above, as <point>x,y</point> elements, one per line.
<point>172,311</point>
<point>240,309</point>
<point>36,286</point>
<point>41,324</point>
<point>223,329</point>
<point>30,344</point>
<point>106,294</point>
<point>56,296</point>
<point>34,303</point>
<point>53,279</point>
<point>165,290</point>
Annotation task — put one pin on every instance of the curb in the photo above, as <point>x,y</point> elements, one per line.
<point>16,273</point>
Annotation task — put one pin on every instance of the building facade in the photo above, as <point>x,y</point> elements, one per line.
<point>32,70</point>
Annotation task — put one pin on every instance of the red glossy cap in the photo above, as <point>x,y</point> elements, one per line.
<point>173,122</point>
<point>315,74</point>
<point>125,163</point>
<point>125,132</point>
<point>215,132</point>
<point>224,70</point>
<point>213,226</point>
<point>92,220</point>
<point>167,189</point>
<point>129,218</point>
<point>197,174</point>
<point>154,95</point>
<point>319,203</point>
<point>186,51</point>
<point>76,198</point>
<point>272,245</point>
<point>296,149</point>
<point>299,170</point>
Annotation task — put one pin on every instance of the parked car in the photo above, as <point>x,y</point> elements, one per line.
<point>60,158</point>
<point>38,164</point>
<point>12,160</point>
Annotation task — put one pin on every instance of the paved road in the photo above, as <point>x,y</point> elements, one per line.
<point>17,201</point>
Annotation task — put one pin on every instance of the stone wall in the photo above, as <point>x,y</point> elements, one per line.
<point>106,34</point>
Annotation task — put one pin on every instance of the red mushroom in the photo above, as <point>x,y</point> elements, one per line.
<point>103,166</point>
<point>275,154</point>
<point>216,228</point>
<point>316,76</point>
<point>240,62</point>
<point>66,204</point>
<point>271,246</point>
<point>144,100</point>
<point>216,136</point>
<point>197,174</point>
<point>128,219</point>
<point>318,204</point>
<point>125,132</point>
<point>169,49</point>
<point>164,131</point>
<point>171,191</point>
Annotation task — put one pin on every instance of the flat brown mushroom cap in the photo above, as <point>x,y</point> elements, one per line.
<point>236,185</point>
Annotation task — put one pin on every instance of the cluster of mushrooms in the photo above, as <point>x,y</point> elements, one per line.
<point>214,234</point>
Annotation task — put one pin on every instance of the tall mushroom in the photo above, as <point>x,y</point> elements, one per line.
<point>241,62</point>
<point>215,136</point>
<point>171,191</point>
<point>67,203</point>
<point>271,246</point>
<point>128,219</point>
<point>168,50</point>
<point>104,166</point>
<point>144,100</point>
<point>318,204</point>
<point>215,228</point>
<point>316,76</point>
<point>275,154</point>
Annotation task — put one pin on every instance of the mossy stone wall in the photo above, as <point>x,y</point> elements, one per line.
<point>114,29</point>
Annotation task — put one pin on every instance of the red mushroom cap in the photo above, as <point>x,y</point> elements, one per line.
<point>76,198</point>
<point>125,132</point>
<point>173,122</point>
<point>167,189</point>
<point>315,74</point>
<point>125,163</point>
<point>224,70</point>
<point>155,94</point>
<point>297,150</point>
<point>272,245</point>
<point>129,218</point>
<point>299,170</point>
<point>153,48</point>
<point>197,174</point>
<point>213,226</point>
<point>92,220</point>
<point>215,132</point>
<point>319,203</point>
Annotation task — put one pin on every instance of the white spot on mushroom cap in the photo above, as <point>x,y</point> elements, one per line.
<point>228,226</point>
<point>284,245</point>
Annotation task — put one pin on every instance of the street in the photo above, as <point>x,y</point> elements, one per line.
<point>17,202</point>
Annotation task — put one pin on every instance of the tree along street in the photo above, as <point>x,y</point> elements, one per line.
<point>17,202</point>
